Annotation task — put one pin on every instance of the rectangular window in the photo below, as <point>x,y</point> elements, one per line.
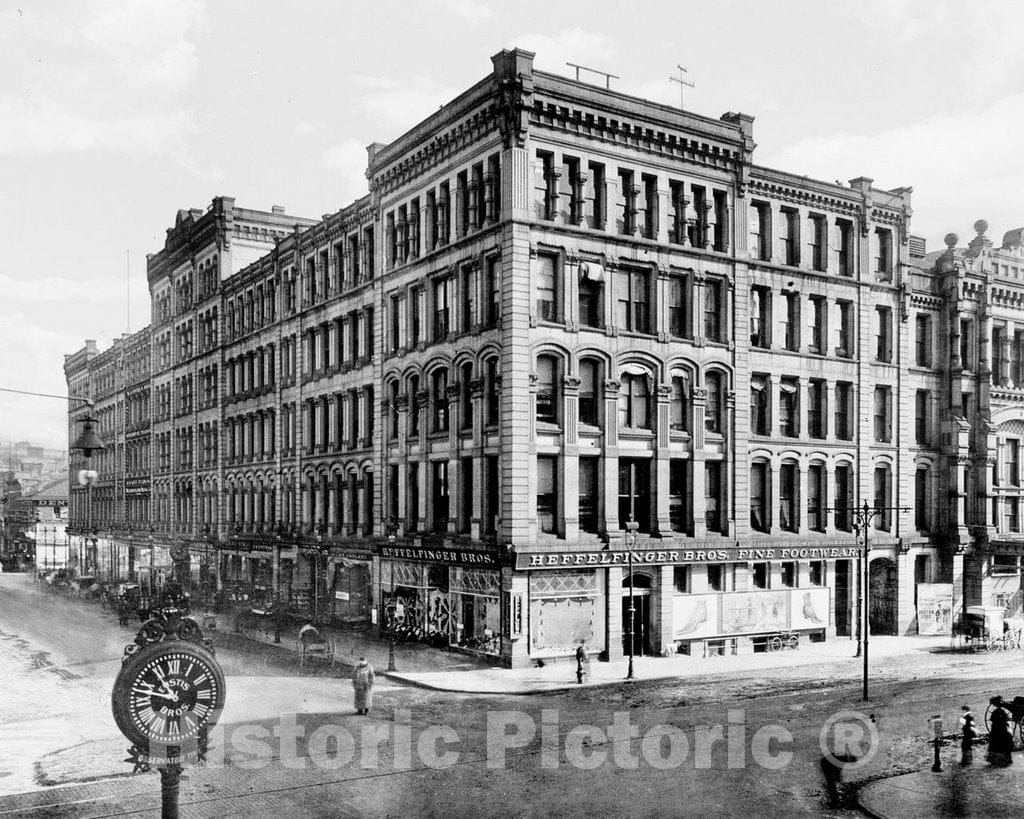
<point>492,292</point>
<point>792,325</point>
<point>844,336</point>
<point>1013,514</point>
<point>698,226</point>
<point>790,237</point>
<point>816,572</point>
<point>491,496</point>
<point>714,310</point>
<point>650,209</point>
<point>922,399</point>
<point>468,286</point>
<point>788,574</point>
<point>883,254</point>
<point>844,411</point>
<point>923,340</point>
<point>712,494</point>
<point>547,495</point>
<point>716,577</point>
<point>418,297</point>
<point>633,312</point>
<point>921,499</point>
<point>789,407</point>
<point>760,231</point>
<point>678,494</point>
<point>844,247</point>
<point>681,579</point>
<point>819,325</point>
<point>594,192</point>
<point>817,411</point>
<point>588,396</point>
<point>759,404</point>
<point>818,242</point>
<point>412,513</point>
<point>591,294</point>
<point>628,193</point>
<point>1013,462</point>
<point>545,300</point>
<point>966,327</point>
<point>635,492</point>
<point>720,239</point>
<point>883,334</point>
<point>588,496</point>
<point>883,414</point>
<point>678,307</point>
<point>760,316</point>
<point>442,308</point>
<point>465,495</point>
<point>439,507</point>
<point>759,575</point>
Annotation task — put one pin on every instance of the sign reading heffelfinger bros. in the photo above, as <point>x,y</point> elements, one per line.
<point>557,560</point>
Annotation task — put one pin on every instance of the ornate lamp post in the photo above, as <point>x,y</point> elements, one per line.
<point>87,443</point>
<point>630,540</point>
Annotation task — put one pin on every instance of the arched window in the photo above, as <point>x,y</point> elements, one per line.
<point>491,368</point>
<point>713,412</point>
<point>439,400</point>
<point>413,389</point>
<point>634,400</point>
<point>547,389</point>
<point>590,392</point>
<point>760,491</point>
<point>466,395</point>
<point>679,409</point>
<point>393,410</point>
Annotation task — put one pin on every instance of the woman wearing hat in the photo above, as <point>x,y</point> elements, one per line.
<point>1000,740</point>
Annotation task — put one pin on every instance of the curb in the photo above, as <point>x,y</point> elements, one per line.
<point>533,692</point>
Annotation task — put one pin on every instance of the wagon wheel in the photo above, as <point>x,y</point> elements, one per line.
<point>1018,735</point>
<point>988,713</point>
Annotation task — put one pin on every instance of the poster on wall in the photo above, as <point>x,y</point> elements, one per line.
<point>694,616</point>
<point>934,608</point>
<point>755,611</point>
<point>809,608</point>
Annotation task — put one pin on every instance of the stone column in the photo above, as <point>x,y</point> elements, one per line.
<point>569,474</point>
<point>454,473</point>
<point>662,458</point>
<point>697,484</point>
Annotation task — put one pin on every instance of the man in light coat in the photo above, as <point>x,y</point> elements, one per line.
<point>362,682</point>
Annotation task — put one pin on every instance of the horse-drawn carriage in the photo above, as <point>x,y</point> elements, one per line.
<point>985,628</point>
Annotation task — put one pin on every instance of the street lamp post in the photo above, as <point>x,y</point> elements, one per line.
<point>862,518</point>
<point>630,538</point>
<point>87,443</point>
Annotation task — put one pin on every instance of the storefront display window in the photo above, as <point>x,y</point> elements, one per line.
<point>476,596</point>
<point>565,608</point>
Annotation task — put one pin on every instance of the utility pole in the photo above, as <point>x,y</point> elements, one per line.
<point>682,83</point>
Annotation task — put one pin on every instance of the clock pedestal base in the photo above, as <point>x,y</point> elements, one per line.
<point>170,778</point>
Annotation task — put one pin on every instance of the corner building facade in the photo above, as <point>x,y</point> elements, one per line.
<point>574,349</point>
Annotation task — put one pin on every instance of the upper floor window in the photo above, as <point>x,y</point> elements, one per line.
<point>883,334</point>
<point>713,413</point>
<point>844,338</point>
<point>759,423</point>
<point>922,400</point>
<point>883,414</point>
<point>789,407</point>
<point>439,398</point>
<point>545,291</point>
<point>760,316</point>
<point>883,254</point>
<point>714,310</point>
<point>547,389</point>
<point>591,294</point>
<point>818,245</point>
<point>817,410</point>
<point>883,495</point>
<point>790,236</point>
<point>678,307</point>
<point>819,325</point>
<point>788,497</point>
<point>844,411</point>
<point>761,231</point>
<point>590,375</point>
<point>792,325</point>
<point>816,497</point>
<point>634,308</point>
<point>679,409</point>
<point>634,409</point>
<point>491,386</point>
<point>923,340</point>
<point>760,492</point>
<point>442,308</point>
<point>844,247</point>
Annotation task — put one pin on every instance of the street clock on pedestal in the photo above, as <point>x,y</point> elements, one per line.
<point>167,696</point>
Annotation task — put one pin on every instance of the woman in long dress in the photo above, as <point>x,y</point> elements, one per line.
<point>362,682</point>
<point>1000,740</point>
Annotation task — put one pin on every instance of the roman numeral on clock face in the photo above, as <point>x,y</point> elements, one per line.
<point>174,667</point>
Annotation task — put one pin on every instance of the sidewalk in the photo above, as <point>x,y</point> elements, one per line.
<point>979,790</point>
<point>437,669</point>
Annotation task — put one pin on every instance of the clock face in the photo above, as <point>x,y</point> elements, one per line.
<point>167,693</point>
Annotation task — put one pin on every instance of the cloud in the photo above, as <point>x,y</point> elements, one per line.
<point>395,106</point>
<point>470,12</point>
<point>576,45</point>
<point>962,167</point>
<point>95,74</point>
<point>348,160</point>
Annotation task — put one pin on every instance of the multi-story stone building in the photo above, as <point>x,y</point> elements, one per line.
<point>577,368</point>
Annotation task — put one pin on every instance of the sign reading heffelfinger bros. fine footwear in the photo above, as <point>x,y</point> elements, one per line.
<point>553,560</point>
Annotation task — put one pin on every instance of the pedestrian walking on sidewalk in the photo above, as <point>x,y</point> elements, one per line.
<point>1000,740</point>
<point>581,662</point>
<point>967,735</point>
<point>362,682</point>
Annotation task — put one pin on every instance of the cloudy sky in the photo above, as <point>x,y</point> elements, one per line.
<point>115,114</point>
